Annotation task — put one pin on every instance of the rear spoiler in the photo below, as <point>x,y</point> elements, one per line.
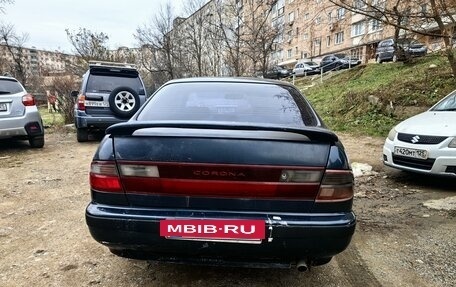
<point>313,133</point>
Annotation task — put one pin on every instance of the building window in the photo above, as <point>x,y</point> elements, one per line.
<point>424,8</point>
<point>306,16</point>
<point>341,13</point>
<point>357,29</point>
<point>329,17</point>
<point>296,51</point>
<point>305,36</point>
<point>328,41</point>
<point>289,53</point>
<point>358,4</point>
<point>318,20</point>
<point>339,38</point>
<point>376,25</point>
<point>291,17</point>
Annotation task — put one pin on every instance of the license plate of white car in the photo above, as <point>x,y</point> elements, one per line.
<point>411,152</point>
<point>96,104</point>
<point>3,108</point>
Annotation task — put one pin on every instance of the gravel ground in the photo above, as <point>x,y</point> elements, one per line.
<point>45,242</point>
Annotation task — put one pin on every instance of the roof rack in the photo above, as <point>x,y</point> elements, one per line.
<point>111,64</point>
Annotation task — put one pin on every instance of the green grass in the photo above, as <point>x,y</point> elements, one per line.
<point>51,119</point>
<point>409,88</point>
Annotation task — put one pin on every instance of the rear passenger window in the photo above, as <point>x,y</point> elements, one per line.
<point>8,87</point>
<point>230,102</point>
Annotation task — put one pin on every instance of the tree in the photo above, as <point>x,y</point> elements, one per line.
<point>14,44</point>
<point>435,18</point>
<point>4,2</point>
<point>88,46</point>
<point>160,55</point>
<point>62,86</point>
<point>259,36</point>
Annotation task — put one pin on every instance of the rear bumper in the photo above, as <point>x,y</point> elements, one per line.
<point>134,232</point>
<point>19,126</point>
<point>84,120</point>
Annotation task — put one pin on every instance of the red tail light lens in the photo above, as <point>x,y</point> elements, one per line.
<point>28,100</point>
<point>81,103</point>
<point>104,177</point>
<point>337,185</point>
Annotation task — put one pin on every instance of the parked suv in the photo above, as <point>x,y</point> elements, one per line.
<point>19,116</point>
<point>110,93</point>
<point>405,48</point>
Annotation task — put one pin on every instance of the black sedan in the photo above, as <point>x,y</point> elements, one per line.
<point>338,61</point>
<point>238,172</point>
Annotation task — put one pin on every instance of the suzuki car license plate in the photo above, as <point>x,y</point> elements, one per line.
<point>410,152</point>
<point>239,231</point>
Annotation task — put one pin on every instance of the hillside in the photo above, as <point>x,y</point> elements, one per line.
<point>371,99</point>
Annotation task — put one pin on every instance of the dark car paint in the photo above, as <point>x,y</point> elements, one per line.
<point>128,223</point>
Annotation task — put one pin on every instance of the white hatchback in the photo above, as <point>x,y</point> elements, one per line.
<point>425,143</point>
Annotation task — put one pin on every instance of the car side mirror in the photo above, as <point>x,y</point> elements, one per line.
<point>74,94</point>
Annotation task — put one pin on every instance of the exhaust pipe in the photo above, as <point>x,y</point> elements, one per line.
<point>302,266</point>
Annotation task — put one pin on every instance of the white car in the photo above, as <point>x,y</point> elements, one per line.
<point>425,143</point>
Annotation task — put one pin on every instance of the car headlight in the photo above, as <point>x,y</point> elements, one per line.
<point>392,134</point>
<point>453,143</point>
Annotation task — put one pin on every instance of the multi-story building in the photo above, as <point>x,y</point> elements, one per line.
<point>36,62</point>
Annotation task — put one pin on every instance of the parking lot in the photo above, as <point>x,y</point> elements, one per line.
<point>45,242</point>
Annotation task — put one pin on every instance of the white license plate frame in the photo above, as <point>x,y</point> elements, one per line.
<point>411,152</point>
<point>96,104</point>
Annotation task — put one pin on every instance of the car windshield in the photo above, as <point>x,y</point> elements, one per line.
<point>447,104</point>
<point>107,83</point>
<point>311,63</point>
<point>230,102</point>
<point>8,87</point>
<point>341,56</point>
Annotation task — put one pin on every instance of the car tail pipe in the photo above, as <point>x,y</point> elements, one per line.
<point>303,265</point>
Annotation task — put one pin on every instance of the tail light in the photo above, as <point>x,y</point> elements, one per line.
<point>104,177</point>
<point>81,103</point>
<point>337,185</point>
<point>28,100</point>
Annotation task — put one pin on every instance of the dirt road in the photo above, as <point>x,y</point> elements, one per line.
<point>44,240</point>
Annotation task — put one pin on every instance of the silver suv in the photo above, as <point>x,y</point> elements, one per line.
<point>19,116</point>
<point>110,93</point>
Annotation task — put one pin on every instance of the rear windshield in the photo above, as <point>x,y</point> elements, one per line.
<point>232,102</point>
<point>8,87</point>
<point>107,83</point>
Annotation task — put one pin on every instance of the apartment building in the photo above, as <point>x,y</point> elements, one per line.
<point>36,62</point>
<point>314,28</point>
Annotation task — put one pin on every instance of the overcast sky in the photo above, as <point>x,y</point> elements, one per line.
<point>46,20</point>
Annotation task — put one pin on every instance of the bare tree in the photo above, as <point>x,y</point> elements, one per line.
<point>159,45</point>
<point>62,87</point>
<point>228,19</point>
<point>87,46</point>
<point>435,18</point>
<point>4,2</point>
<point>14,43</point>
<point>259,36</point>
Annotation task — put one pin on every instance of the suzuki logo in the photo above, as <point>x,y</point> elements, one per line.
<point>415,139</point>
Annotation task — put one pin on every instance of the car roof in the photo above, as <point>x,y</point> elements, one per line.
<point>230,80</point>
<point>8,78</point>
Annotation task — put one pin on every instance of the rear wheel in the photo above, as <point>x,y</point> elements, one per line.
<point>36,142</point>
<point>394,58</point>
<point>82,134</point>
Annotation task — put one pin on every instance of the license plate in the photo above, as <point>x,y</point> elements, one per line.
<point>411,152</point>
<point>3,107</point>
<point>96,104</point>
<point>239,231</point>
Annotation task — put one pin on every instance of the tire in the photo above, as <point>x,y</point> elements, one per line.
<point>82,135</point>
<point>36,142</point>
<point>394,58</point>
<point>124,102</point>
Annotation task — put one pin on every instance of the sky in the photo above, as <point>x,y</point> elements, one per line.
<point>46,20</point>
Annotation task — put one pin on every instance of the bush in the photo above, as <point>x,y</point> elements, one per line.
<point>62,86</point>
